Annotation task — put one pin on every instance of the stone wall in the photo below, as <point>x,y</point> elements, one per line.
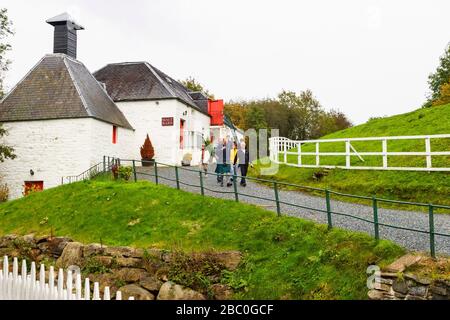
<point>146,274</point>
<point>413,277</point>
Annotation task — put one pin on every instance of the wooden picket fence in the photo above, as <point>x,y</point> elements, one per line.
<point>25,286</point>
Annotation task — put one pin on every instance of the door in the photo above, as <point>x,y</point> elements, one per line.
<point>182,134</point>
<point>32,186</point>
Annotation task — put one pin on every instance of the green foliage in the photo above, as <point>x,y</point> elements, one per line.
<point>276,250</point>
<point>5,31</point>
<point>444,96</point>
<point>195,86</point>
<point>427,187</point>
<point>196,272</point>
<point>441,76</point>
<point>92,265</point>
<point>6,152</point>
<point>297,116</point>
<point>125,172</point>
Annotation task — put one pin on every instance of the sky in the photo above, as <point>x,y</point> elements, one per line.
<point>367,58</point>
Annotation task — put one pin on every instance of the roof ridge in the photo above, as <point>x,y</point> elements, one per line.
<point>161,80</point>
<point>75,83</point>
<point>90,113</point>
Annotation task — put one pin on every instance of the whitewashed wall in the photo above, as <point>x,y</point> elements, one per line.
<point>57,148</point>
<point>51,148</point>
<point>146,117</point>
<point>101,142</point>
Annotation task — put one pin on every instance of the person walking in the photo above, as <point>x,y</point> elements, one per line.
<point>234,160</point>
<point>222,155</point>
<point>243,156</point>
<point>206,159</point>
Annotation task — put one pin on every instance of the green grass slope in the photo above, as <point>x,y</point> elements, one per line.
<point>425,187</point>
<point>285,258</point>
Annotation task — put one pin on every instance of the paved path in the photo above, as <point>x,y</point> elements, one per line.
<point>408,219</point>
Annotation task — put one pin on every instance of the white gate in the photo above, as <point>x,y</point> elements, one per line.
<point>282,148</point>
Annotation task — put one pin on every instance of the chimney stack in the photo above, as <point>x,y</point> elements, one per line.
<point>65,35</point>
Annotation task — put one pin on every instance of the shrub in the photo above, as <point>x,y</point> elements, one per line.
<point>125,172</point>
<point>147,151</point>
<point>4,192</point>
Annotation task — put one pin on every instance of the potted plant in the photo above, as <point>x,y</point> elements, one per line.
<point>147,153</point>
<point>187,158</point>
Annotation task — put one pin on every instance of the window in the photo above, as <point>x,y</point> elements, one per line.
<point>114,135</point>
<point>32,186</point>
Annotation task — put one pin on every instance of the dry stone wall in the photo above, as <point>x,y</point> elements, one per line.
<point>145,274</point>
<point>413,277</point>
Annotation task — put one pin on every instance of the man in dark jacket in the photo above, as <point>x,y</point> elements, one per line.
<point>243,156</point>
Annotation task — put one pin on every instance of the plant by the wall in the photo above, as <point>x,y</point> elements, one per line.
<point>125,172</point>
<point>147,151</point>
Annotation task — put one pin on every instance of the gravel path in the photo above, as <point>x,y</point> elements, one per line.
<point>407,219</point>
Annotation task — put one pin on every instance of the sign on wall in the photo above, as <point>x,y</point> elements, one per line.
<point>167,121</point>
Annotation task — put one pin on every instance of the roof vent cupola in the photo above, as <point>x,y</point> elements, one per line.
<point>65,35</point>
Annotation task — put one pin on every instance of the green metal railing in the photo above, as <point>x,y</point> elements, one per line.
<point>108,161</point>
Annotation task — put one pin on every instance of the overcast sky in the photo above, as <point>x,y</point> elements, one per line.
<point>364,57</point>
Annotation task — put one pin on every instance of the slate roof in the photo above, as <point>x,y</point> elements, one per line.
<point>131,81</point>
<point>60,87</point>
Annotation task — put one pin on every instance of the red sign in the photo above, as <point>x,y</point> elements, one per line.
<point>167,121</point>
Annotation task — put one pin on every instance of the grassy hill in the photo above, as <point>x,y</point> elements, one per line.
<point>425,187</point>
<point>285,257</point>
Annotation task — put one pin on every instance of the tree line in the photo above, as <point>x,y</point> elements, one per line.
<point>298,116</point>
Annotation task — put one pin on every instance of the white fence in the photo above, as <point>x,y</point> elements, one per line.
<point>25,286</point>
<point>282,146</point>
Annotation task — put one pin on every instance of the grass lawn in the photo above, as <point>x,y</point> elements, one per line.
<point>433,187</point>
<point>285,258</point>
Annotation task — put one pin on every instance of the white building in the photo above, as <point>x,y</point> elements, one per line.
<point>61,119</point>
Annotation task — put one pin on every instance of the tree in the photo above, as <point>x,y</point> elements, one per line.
<point>5,31</point>
<point>305,111</point>
<point>441,76</point>
<point>236,111</point>
<point>255,118</point>
<point>195,86</point>
<point>444,96</point>
<point>6,152</point>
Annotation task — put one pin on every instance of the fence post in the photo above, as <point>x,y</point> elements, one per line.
<point>104,164</point>
<point>236,197</point>
<point>156,172</point>
<point>177,178</point>
<point>431,222</point>
<point>201,183</point>
<point>347,154</point>
<point>317,155</point>
<point>384,150</point>
<point>277,198</point>
<point>375,217</point>
<point>134,171</point>
<point>327,198</point>
<point>428,151</point>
